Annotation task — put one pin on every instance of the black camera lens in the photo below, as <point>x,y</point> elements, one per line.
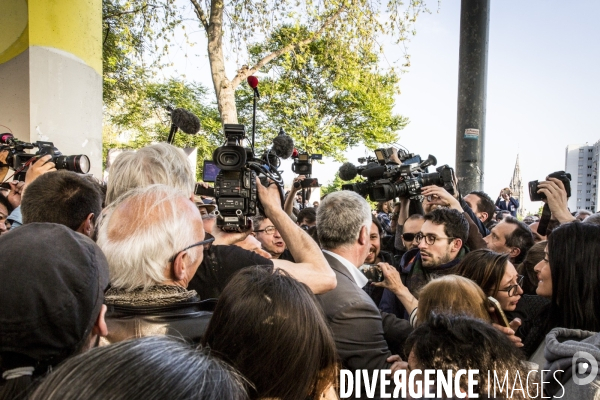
<point>229,158</point>
<point>79,163</point>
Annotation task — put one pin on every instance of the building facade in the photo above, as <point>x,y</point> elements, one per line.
<point>516,187</point>
<point>581,161</point>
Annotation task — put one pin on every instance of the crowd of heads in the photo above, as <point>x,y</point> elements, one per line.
<point>145,239</point>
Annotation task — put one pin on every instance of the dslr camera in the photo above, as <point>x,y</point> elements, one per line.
<point>19,160</point>
<point>562,176</point>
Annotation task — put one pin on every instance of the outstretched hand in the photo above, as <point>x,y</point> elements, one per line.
<point>556,198</point>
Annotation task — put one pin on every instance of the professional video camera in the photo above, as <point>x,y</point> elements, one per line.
<point>20,161</point>
<point>564,177</point>
<point>303,166</point>
<point>387,180</point>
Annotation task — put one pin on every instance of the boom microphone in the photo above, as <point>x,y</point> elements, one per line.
<point>185,120</point>
<point>373,172</point>
<point>347,171</point>
<point>283,145</point>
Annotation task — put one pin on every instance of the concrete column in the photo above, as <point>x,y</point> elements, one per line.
<point>51,74</point>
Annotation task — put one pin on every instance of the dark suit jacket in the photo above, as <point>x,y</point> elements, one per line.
<point>363,335</point>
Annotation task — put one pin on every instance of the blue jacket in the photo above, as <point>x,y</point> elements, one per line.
<point>513,205</point>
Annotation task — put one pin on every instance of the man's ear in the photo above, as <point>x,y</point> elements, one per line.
<point>100,327</point>
<point>483,216</point>
<point>457,245</point>
<point>363,236</point>
<point>514,252</point>
<point>179,266</point>
<point>87,226</point>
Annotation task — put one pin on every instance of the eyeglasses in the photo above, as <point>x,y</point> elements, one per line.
<point>409,237</point>
<point>204,243</point>
<point>512,289</point>
<point>269,230</point>
<point>429,238</point>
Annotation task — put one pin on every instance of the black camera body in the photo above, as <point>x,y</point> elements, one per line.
<point>564,177</point>
<point>386,182</point>
<point>235,190</point>
<point>19,160</point>
<point>303,163</point>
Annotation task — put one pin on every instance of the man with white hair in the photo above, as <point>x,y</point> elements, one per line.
<point>166,164</point>
<point>363,335</point>
<point>153,240</point>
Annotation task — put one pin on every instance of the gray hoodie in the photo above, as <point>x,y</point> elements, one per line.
<point>561,346</point>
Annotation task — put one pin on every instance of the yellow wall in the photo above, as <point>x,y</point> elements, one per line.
<point>74,26</point>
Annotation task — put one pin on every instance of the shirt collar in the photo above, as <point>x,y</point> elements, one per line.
<point>359,278</point>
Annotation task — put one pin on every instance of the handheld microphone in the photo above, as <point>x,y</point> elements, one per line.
<point>283,145</point>
<point>253,83</point>
<point>185,120</point>
<point>347,171</point>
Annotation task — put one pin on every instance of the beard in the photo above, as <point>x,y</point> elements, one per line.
<point>435,261</point>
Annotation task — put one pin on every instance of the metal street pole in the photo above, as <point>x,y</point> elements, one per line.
<point>472,82</point>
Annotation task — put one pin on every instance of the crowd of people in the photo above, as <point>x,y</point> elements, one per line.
<point>131,289</point>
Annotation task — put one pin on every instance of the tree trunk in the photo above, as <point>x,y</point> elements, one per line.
<point>224,89</point>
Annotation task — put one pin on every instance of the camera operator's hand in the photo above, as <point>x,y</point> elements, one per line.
<point>556,197</point>
<point>394,156</point>
<point>3,168</point>
<point>297,185</point>
<point>228,238</point>
<point>40,167</point>
<point>392,282</point>
<point>438,196</point>
<point>16,192</point>
<point>391,278</point>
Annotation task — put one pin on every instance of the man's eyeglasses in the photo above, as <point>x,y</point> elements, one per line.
<point>429,238</point>
<point>269,230</point>
<point>204,243</point>
<point>409,237</point>
<point>512,289</point>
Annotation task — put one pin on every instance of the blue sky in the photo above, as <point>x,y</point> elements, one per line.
<point>543,90</point>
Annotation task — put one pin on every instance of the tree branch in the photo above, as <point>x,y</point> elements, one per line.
<point>244,73</point>
<point>200,13</point>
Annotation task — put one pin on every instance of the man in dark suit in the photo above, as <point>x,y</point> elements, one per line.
<point>363,335</point>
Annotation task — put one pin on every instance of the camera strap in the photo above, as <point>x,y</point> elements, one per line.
<point>544,220</point>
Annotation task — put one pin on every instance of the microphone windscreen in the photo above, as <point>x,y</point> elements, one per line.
<point>283,146</point>
<point>348,171</point>
<point>252,81</point>
<point>185,120</point>
<point>373,172</point>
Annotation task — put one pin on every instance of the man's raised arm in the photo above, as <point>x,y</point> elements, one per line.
<point>310,267</point>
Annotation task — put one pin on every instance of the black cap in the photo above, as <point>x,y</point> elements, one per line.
<point>52,283</point>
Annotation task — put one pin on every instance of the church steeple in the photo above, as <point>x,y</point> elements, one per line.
<point>516,186</point>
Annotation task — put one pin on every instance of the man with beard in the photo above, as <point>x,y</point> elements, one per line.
<point>375,256</point>
<point>441,247</point>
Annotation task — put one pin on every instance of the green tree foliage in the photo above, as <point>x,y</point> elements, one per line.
<point>131,33</point>
<point>327,95</point>
<point>143,119</point>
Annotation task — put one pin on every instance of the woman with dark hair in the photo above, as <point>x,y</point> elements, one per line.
<point>569,276</point>
<point>384,208</point>
<point>495,274</point>
<point>269,327</point>
<point>455,342</point>
<point>526,268</point>
<point>155,367</point>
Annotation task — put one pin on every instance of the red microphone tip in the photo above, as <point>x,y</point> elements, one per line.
<point>295,153</point>
<point>252,81</point>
